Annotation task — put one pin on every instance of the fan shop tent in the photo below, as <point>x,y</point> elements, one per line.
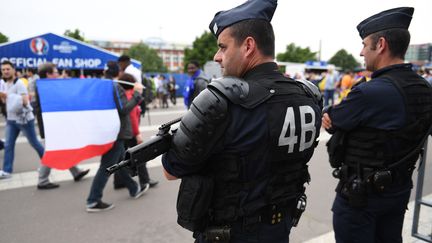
<point>65,52</point>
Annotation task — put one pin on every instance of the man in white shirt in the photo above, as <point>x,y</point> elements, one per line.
<point>126,66</point>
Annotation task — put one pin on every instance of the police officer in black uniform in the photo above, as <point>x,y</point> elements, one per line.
<point>243,147</point>
<point>379,130</point>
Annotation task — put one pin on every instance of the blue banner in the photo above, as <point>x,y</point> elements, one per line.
<point>316,63</point>
<point>65,52</point>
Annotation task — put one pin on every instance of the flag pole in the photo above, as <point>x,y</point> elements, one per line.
<point>125,82</point>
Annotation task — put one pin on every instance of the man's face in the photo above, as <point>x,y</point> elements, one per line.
<point>191,69</point>
<point>8,72</point>
<point>54,74</point>
<point>123,65</point>
<point>369,52</point>
<point>229,55</point>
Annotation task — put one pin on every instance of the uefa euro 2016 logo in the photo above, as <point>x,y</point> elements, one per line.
<point>39,46</point>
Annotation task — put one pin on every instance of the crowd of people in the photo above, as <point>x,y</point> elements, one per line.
<point>335,85</point>
<point>243,146</point>
<point>21,99</point>
<point>134,93</point>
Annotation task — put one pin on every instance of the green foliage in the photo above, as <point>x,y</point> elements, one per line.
<point>295,53</point>
<point>344,60</point>
<point>76,34</point>
<point>150,61</point>
<point>3,38</point>
<point>203,49</point>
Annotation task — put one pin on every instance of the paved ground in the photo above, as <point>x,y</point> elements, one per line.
<point>30,215</point>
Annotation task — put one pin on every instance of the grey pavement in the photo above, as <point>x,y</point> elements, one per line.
<point>31,215</point>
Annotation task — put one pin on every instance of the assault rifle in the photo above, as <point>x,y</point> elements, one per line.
<point>149,150</point>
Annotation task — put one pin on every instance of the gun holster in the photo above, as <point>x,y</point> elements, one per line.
<point>299,209</point>
<point>357,193</point>
<point>217,234</point>
<point>382,179</point>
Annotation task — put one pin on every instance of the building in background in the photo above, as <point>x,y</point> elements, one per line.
<point>172,54</point>
<point>420,54</point>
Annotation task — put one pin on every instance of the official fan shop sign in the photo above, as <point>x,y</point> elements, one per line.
<point>65,52</point>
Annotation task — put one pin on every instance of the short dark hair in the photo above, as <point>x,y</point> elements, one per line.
<point>46,68</point>
<point>128,78</point>
<point>124,58</point>
<point>260,30</point>
<point>6,62</point>
<point>398,40</point>
<point>112,70</point>
<point>195,63</point>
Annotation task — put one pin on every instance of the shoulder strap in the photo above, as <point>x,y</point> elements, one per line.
<point>311,90</point>
<point>240,92</point>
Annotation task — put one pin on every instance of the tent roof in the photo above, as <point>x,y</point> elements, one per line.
<point>65,52</point>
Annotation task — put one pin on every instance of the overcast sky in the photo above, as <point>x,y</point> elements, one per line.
<point>303,22</point>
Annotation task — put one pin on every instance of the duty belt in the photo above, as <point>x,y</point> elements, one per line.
<point>271,214</point>
<point>376,180</point>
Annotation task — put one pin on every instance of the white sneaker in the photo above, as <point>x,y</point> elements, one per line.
<point>141,190</point>
<point>5,175</point>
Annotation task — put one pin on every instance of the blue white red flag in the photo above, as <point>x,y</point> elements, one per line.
<point>80,119</point>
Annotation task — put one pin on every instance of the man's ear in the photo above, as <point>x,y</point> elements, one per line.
<point>249,45</point>
<point>381,45</point>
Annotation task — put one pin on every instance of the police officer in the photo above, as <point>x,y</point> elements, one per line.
<point>380,128</point>
<point>243,147</point>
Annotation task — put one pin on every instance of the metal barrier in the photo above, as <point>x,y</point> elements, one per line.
<point>419,201</point>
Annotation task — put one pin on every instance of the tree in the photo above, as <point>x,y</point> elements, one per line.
<point>295,53</point>
<point>203,49</point>
<point>150,61</point>
<point>3,38</point>
<point>344,60</point>
<point>76,34</point>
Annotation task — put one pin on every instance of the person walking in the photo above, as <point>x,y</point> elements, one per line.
<point>136,139</point>
<point>172,90</point>
<point>49,70</point>
<point>329,87</point>
<point>378,132</point>
<point>19,117</point>
<point>115,154</point>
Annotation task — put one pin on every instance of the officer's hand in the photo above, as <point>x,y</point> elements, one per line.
<point>138,87</point>
<point>326,121</point>
<point>168,176</point>
<point>139,138</point>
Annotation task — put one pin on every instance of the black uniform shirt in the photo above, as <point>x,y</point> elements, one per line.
<point>374,104</point>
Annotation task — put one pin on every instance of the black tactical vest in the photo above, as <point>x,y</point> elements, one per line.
<point>378,149</point>
<point>294,120</point>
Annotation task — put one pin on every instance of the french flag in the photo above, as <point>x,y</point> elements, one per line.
<point>80,119</point>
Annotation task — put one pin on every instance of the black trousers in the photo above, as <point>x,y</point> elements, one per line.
<point>380,222</point>
<point>142,170</point>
